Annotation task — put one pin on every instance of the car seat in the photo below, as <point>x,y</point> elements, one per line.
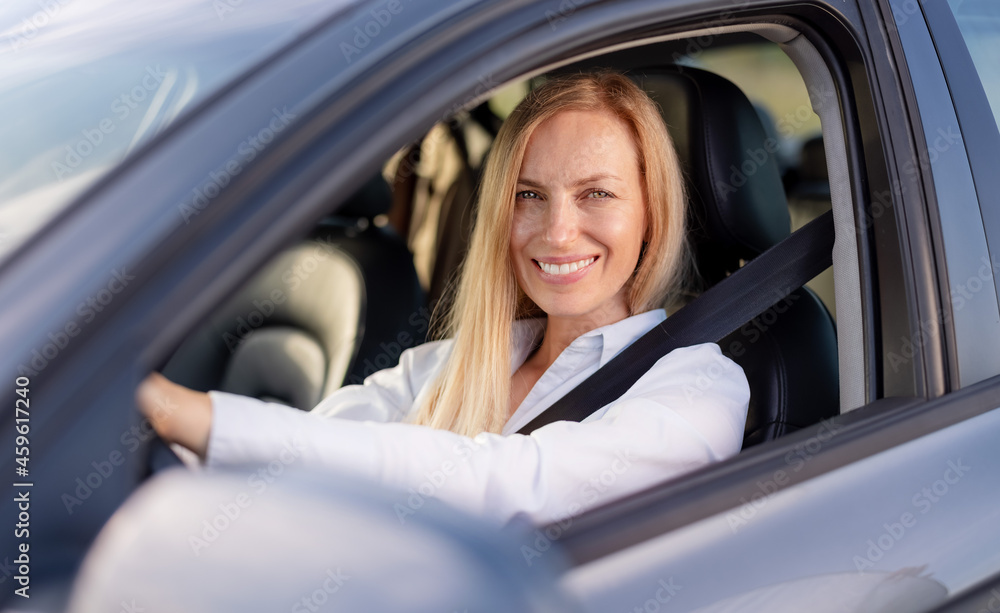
<point>434,187</point>
<point>340,305</point>
<point>738,210</point>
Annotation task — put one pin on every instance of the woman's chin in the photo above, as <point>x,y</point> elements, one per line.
<point>599,315</point>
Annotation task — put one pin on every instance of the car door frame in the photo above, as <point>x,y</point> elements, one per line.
<point>185,268</point>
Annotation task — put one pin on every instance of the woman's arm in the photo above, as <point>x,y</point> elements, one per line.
<point>184,416</point>
<point>691,412</point>
<point>389,394</point>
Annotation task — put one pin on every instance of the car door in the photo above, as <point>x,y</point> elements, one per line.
<point>882,508</point>
<point>347,95</point>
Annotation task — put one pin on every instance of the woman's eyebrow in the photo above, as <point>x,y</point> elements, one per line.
<point>601,176</point>
<point>591,179</point>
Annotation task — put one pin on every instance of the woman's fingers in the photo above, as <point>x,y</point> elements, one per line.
<point>178,414</point>
<point>155,403</point>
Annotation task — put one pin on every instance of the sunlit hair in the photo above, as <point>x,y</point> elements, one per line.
<point>472,393</point>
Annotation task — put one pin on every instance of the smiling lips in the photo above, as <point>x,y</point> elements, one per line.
<point>564,269</point>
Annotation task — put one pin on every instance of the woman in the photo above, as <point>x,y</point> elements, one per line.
<point>581,224</point>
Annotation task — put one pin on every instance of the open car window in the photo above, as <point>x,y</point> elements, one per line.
<point>393,160</point>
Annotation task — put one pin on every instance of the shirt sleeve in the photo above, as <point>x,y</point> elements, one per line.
<point>389,394</point>
<point>687,411</point>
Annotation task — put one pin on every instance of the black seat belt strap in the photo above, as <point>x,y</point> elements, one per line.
<point>734,301</point>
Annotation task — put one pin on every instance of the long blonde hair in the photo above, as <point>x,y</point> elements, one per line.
<point>472,393</point>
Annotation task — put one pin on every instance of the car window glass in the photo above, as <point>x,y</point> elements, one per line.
<point>129,69</point>
<point>979,22</point>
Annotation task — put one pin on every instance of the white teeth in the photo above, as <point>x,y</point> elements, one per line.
<point>564,269</point>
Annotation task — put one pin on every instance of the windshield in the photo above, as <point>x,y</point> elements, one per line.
<point>85,82</point>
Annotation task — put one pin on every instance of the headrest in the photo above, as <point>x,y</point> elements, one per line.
<point>737,198</point>
<point>372,199</point>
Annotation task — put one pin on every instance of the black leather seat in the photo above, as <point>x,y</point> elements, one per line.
<point>739,209</point>
<point>333,309</point>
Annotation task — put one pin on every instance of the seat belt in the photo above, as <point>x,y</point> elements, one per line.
<point>734,301</point>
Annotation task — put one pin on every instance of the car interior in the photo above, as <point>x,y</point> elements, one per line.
<point>371,278</point>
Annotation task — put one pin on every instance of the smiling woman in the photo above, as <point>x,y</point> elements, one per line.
<point>578,242</point>
<point>578,230</point>
<point>580,222</point>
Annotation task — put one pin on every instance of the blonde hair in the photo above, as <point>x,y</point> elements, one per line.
<point>472,393</point>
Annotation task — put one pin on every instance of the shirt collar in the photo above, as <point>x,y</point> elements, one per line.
<point>525,336</point>
<point>611,339</point>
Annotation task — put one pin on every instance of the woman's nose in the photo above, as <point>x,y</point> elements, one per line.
<point>562,224</point>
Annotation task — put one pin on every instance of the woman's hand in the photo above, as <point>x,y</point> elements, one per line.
<point>178,414</point>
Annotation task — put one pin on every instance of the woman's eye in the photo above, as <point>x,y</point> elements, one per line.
<point>527,195</point>
<point>599,193</point>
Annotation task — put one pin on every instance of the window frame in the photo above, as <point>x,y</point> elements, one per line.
<point>976,119</point>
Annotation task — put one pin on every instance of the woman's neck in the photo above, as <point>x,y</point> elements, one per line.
<point>561,331</point>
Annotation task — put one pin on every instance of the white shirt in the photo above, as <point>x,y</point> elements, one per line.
<point>688,410</point>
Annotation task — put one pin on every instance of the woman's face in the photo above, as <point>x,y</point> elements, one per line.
<point>579,216</point>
